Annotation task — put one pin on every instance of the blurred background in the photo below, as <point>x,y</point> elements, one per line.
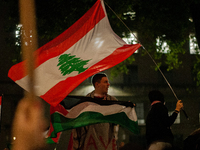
<point>169,30</point>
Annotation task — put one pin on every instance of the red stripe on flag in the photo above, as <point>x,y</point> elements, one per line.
<point>70,144</point>
<point>64,41</point>
<point>57,93</point>
<point>56,139</point>
<point>60,109</point>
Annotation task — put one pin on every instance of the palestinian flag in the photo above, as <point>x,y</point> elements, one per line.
<point>89,46</point>
<point>92,111</point>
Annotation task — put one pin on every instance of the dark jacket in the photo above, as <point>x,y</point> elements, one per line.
<point>158,124</point>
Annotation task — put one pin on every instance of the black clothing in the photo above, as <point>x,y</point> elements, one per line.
<point>192,142</point>
<point>158,124</point>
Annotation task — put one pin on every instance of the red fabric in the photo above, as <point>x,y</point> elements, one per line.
<point>70,144</point>
<point>64,41</point>
<point>110,61</point>
<point>59,108</point>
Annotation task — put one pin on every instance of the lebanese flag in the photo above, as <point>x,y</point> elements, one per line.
<point>89,46</point>
<point>91,111</point>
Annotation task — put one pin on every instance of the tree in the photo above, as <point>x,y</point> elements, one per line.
<point>69,63</point>
<point>167,20</point>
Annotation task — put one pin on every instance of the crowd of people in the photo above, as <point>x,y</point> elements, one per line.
<point>29,125</point>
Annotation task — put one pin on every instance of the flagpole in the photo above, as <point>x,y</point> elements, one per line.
<point>29,41</point>
<point>150,57</point>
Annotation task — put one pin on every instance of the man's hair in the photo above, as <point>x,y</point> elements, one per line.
<point>97,78</point>
<point>156,96</point>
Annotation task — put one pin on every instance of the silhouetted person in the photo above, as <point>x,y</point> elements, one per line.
<point>158,122</point>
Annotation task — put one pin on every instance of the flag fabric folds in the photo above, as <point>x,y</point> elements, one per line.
<point>89,46</point>
<point>91,111</point>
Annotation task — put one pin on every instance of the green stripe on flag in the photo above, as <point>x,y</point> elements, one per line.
<point>50,141</point>
<point>61,123</point>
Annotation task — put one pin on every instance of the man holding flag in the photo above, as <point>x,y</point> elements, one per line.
<point>158,133</point>
<point>98,136</point>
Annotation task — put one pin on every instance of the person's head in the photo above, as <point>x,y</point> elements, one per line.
<point>100,83</point>
<point>156,95</point>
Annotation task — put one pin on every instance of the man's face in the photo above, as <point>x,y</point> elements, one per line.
<point>103,85</point>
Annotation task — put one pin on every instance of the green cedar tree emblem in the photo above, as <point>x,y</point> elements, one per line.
<point>69,63</point>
